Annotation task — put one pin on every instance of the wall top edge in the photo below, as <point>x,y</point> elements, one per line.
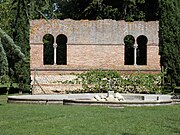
<point>85,20</point>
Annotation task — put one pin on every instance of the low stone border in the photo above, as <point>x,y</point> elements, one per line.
<point>85,99</point>
<point>121,103</point>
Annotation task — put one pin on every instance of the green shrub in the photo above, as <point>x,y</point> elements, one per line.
<point>98,81</point>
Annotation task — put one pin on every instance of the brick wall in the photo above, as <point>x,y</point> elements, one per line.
<point>153,59</point>
<point>36,55</point>
<point>94,44</point>
<point>96,55</point>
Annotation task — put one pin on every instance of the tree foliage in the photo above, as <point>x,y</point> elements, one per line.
<point>20,35</point>
<point>15,16</point>
<point>10,55</point>
<point>42,9</point>
<point>12,50</point>
<point>129,10</point>
<point>3,65</point>
<point>6,16</point>
<point>170,40</point>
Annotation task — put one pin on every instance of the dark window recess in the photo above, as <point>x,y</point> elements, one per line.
<point>129,50</point>
<point>61,41</point>
<point>48,55</point>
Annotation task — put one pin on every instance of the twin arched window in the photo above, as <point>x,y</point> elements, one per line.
<point>49,49</point>
<point>141,55</point>
<point>61,50</point>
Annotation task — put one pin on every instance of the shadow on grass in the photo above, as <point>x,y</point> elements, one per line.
<point>1,104</point>
<point>174,129</point>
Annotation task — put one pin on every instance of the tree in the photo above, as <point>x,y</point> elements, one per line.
<point>132,11</point>
<point>42,9</point>
<point>3,65</point>
<point>97,9</point>
<point>6,16</point>
<point>15,16</point>
<point>169,35</point>
<point>70,8</point>
<point>151,10</point>
<point>20,34</point>
<point>10,55</point>
<point>129,10</point>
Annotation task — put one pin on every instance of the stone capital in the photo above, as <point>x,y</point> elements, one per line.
<point>55,45</point>
<point>135,46</point>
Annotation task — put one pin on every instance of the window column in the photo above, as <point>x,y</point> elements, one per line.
<point>55,47</point>
<point>135,54</point>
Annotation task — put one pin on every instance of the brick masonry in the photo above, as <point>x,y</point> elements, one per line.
<point>93,44</point>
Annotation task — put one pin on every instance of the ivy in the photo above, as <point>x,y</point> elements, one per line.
<point>103,81</point>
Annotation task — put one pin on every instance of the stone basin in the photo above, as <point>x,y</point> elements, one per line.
<point>86,99</point>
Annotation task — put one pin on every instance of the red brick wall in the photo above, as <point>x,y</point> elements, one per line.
<point>36,56</point>
<point>94,44</point>
<point>153,59</point>
<point>96,55</point>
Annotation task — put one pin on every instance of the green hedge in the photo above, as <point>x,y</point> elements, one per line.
<point>103,81</point>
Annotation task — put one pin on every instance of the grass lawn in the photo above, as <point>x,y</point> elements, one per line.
<point>31,119</point>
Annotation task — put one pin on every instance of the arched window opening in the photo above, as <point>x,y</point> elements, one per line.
<point>129,50</point>
<point>142,50</point>
<point>61,41</point>
<point>48,49</point>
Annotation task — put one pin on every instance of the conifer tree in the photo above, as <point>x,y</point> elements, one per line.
<point>24,11</point>
<point>3,65</point>
<point>10,54</point>
<point>21,38</point>
<point>14,17</point>
<point>169,35</point>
